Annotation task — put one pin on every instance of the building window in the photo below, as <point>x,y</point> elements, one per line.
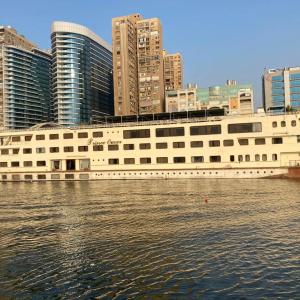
<point>54,136</point>
<point>40,150</point>
<point>145,160</point>
<point>178,144</point>
<point>260,141</point>
<point>205,130</point>
<point>68,149</point>
<point>83,135</point>
<point>113,147</point>
<point>15,164</point>
<point>26,151</point>
<point>16,139</point>
<point>113,161</point>
<point>40,137</point>
<point>27,163</point>
<point>179,160</point>
<point>215,143</point>
<point>68,136</point>
<point>84,164</point>
<point>128,146</point>
<point>136,134</point>
<point>283,123</point>
<point>257,157</point>
<point>83,148</point>
<point>274,124</point>
<point>215,158</point>
<point>231,158</point>
<point>227,143</point>
<point>129,161</point>
<point>277,140</point>
<point>97,147</point>
<point>196,144</point>
<point>54,149</point>
<point>161,145</point>
<point>293,123</point>
<point>97,134</point>
<point>243,142</point>
<point>3,164</point>
<point>41,163</point>
<point>245,127</point>
<point>28,138</point>
<point>145,146</point>
<point>247,157</point>
<point>274,157</point>
<point>170,131</point>
<point>161,160</point>
<point>264,157</point>
<point>197,159</point>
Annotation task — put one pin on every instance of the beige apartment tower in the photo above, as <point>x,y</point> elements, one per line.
<point>173,71</point>
<point>125,68</point>
<point>150,66</point>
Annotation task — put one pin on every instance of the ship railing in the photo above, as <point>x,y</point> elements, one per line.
<point>294,163</point>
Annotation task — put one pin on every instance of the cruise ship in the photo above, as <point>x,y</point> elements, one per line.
<point>165,146</point>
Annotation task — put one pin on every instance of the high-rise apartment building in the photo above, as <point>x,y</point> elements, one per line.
<point>25,82</point>
<point>82,75</point>
<point>281,89</point>
<point>150,66</point>
<point>124,47</point>
<point>173,71</point>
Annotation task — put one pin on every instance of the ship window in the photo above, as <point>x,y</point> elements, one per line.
<point>240,158</point>
<point>232,158</point>
<point>97,134</point>
<point>3,164</point>
<point>257,157</point>
<point>83,148</point>
<point>161,145</point>
<point>215,143</point>
<point>71,164</point>
<point>145,160</point>
<point>4,177</point>
<point>274,124</point>
<point>84,164</point>
<point>293,123</point>
<point>16,151</point>
<point>205,130</point>
<point>298,138</point>
<point>145,146</point>
<point>264,157</point>
<point>68,136</point>
<point>54,136</point>
<point>260,141</point>
<point>161,160</point>
<point>41,177</point>
<point>128,146</point>
<point>5,152</point>
<point>197,159</point>
<point>54,149</point>
<point>55,165</point>
<point>84,176</point>
<point>243,142</point>
<point>228,143</point>
<point>82,135</point>
<point>136,134</point>
<point>69,176</point>
<point>113,147</point>
<point>68,149</point>
<point>26,151</point>
<point>277,140</point>
<point>40,150</point>
<point>179,160</point>
<point>16,139</point>
<point>28,177</point>
<point>113,161</point>
<point>215,158</point>
<point>178,144</point>
<point>15,164</point>
<point>27,163</point>
<point>40,137</point>
<point>283,123</point>
<point>97,147</point>
<point>244,127</point>
<point>247,157</point>
<point>55,176</point>
<point>170,131</point>
<point>274,157</point>
<point>41,163</point>
<point>28,138</point>
<point>129,161</point>
<point>196,144</point>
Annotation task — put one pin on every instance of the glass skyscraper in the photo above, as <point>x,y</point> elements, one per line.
<point>81,75</point>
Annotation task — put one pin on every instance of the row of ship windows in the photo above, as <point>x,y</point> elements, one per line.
<point>145,146</point>
<point>84,164</point>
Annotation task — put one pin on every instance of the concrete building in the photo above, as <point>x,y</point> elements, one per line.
<point>150,66</point>
<point>173,71</point>
<point>182,100</point>
<point>281,89</point>
<point>25,82</point>
<point>125,68</point>
<point>82,75</point>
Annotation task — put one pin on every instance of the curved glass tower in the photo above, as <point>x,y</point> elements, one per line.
<point>81,75</point>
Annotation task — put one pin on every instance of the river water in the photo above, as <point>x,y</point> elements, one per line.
<point>168,239</point>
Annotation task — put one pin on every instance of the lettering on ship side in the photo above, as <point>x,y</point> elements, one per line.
<point>92,141</point>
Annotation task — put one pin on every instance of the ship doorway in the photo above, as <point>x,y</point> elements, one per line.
<point>71,164</point>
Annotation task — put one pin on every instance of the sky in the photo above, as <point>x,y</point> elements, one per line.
<point>219,39</point>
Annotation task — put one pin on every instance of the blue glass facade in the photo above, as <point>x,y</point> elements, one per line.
<point>27,92</point>
<point>82,79</point>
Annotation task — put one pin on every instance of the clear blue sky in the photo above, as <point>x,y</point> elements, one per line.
<point>219,39</point>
